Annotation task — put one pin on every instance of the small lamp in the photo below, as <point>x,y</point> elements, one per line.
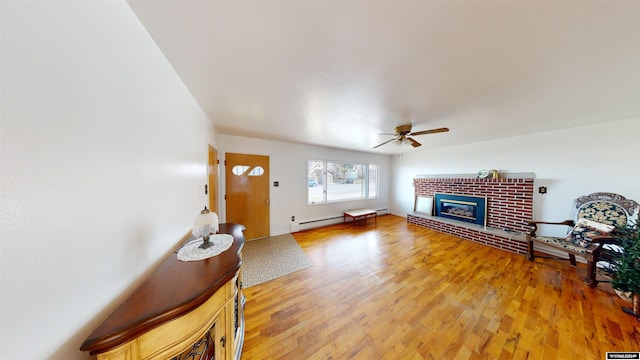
<point>205,224</point>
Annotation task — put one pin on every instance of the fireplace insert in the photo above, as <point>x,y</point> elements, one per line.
<point>467,208</point>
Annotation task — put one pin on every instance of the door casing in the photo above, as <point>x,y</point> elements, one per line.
<point>213,179</point>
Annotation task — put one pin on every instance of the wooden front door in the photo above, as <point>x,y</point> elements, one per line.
<point>247,198</point>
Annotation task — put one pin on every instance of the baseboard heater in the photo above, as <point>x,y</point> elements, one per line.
<point>310,224</point>
<point>319,220</point>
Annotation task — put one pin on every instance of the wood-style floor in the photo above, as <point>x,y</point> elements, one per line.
<point>392,290</point>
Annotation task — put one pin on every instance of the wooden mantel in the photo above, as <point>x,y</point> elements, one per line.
<point>172,290</point>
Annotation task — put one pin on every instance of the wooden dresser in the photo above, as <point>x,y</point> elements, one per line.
<point>184,310</point>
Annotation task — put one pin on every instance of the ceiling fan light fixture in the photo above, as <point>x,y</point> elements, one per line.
<point>403,133</point>
<point>402,130</point>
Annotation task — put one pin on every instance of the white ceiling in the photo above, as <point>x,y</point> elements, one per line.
<point>339,73</point>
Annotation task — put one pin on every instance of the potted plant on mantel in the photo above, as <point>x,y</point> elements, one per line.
<point>626,276</point>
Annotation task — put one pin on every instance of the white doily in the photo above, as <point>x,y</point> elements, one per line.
<point>192,252</point>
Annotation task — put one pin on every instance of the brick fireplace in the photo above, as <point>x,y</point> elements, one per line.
<point>508,209</point>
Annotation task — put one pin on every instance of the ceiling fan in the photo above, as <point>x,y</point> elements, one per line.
<point>403,132</point>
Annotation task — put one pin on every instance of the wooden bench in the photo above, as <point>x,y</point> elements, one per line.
<point>360,213</point>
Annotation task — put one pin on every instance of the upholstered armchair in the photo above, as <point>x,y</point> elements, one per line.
<point>591,229</point>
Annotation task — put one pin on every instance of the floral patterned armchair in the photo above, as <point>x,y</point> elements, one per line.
<point>592,229</point>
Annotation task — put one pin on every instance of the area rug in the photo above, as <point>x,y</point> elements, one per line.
<point>270,258</point>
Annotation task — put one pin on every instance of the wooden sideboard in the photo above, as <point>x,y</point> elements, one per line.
<point>182,309</point>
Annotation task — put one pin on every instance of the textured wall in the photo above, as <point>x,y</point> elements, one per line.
<point>509,201</point>
<point>509,206</point>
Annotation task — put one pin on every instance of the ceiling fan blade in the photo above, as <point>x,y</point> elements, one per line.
<point>432,131</point>
<point>414,143</point>
<point>388,141</point>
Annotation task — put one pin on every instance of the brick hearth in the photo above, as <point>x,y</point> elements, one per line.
<point>509,207</point>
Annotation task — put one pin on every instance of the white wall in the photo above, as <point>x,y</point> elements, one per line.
<point>103,162</point>
<point>288,165</point>
<point>570,163</point>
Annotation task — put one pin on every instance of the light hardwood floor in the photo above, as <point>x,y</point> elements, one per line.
<point>392,290</point>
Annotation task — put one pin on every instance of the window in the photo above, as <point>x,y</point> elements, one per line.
<point>240,170</point>
<point>329,181</point>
